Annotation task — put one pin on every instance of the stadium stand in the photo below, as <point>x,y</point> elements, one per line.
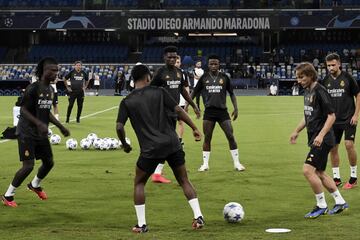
<point>177,4</point>
<point>89,53</point>
<point>243,77</point>
<point>199,48</point>
<point>16,4</point>
<point>2,53</point>
<point>249,59</point>
<point>123,3</point>
<point>23,73</point>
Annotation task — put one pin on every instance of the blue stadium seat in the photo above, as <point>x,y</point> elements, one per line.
<point>87,53</point>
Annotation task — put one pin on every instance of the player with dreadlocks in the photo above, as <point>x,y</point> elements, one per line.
<point>32,131</point>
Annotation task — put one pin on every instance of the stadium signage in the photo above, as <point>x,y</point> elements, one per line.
<point>199,23</point>
<point>187,21</point>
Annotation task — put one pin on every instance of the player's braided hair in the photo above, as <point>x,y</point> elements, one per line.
<point>40,66</point>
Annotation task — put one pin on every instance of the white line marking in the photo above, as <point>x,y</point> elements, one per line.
<point>73,120</point>
<point>95,113</point>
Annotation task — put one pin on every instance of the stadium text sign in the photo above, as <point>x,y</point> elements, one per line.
<point>199,23</point>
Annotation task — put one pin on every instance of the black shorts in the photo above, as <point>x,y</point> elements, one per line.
<point>350,131</point>
<point>174,160</point>
<point>317,157</point>
<point>55,100</point>
<point>30,149</point>
<point>216,115</point>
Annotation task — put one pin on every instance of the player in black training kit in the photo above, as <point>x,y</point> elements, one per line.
<point>146,107</point>
<point>213,86</point>
<point>342,88</point>
<point>32,131</point>
<point>171,78</point>
<point>318,119</point>
<point>76,89</point>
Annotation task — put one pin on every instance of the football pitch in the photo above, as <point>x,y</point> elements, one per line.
<point>91,192</point>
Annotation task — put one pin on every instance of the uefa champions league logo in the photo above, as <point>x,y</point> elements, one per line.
<point>336,22</point>
<point>84,22</point>
<point>8,22</point>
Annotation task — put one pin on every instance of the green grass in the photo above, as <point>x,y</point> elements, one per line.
<point>85,202</point>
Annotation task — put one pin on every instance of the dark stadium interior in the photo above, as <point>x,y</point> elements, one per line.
<point>100,34</point>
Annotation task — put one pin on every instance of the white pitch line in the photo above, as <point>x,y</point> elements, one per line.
<point>73,120</point>
<point>95,113</point>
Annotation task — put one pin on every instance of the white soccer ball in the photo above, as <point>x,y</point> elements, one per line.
<point>92,137</point>
<point>105,145</point>
<point>233,212</point>
<point>114,143</point>
<point>97,142</point>
<point>71,144</point>
<point>55,139</point>
<point>85,144</point>
<point>50,132</point>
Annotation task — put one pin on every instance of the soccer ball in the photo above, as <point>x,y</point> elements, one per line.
<point>117,143</point>
<point>107,139</point>
<point>114,143</point>
<point>233,212</point>
<point>71,144</point>
<point>55,139</point>
<point>97,142</point>
<point>92,137</point>
<point>50,132</point>
<point>85,144</point>
<point>105,144</point>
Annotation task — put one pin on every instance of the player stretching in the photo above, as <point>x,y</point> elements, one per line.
<point>342,87</point>
<point>146,107</point>
<point>318,119</point>
<point>32,131</point>
<point>213,86</point>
